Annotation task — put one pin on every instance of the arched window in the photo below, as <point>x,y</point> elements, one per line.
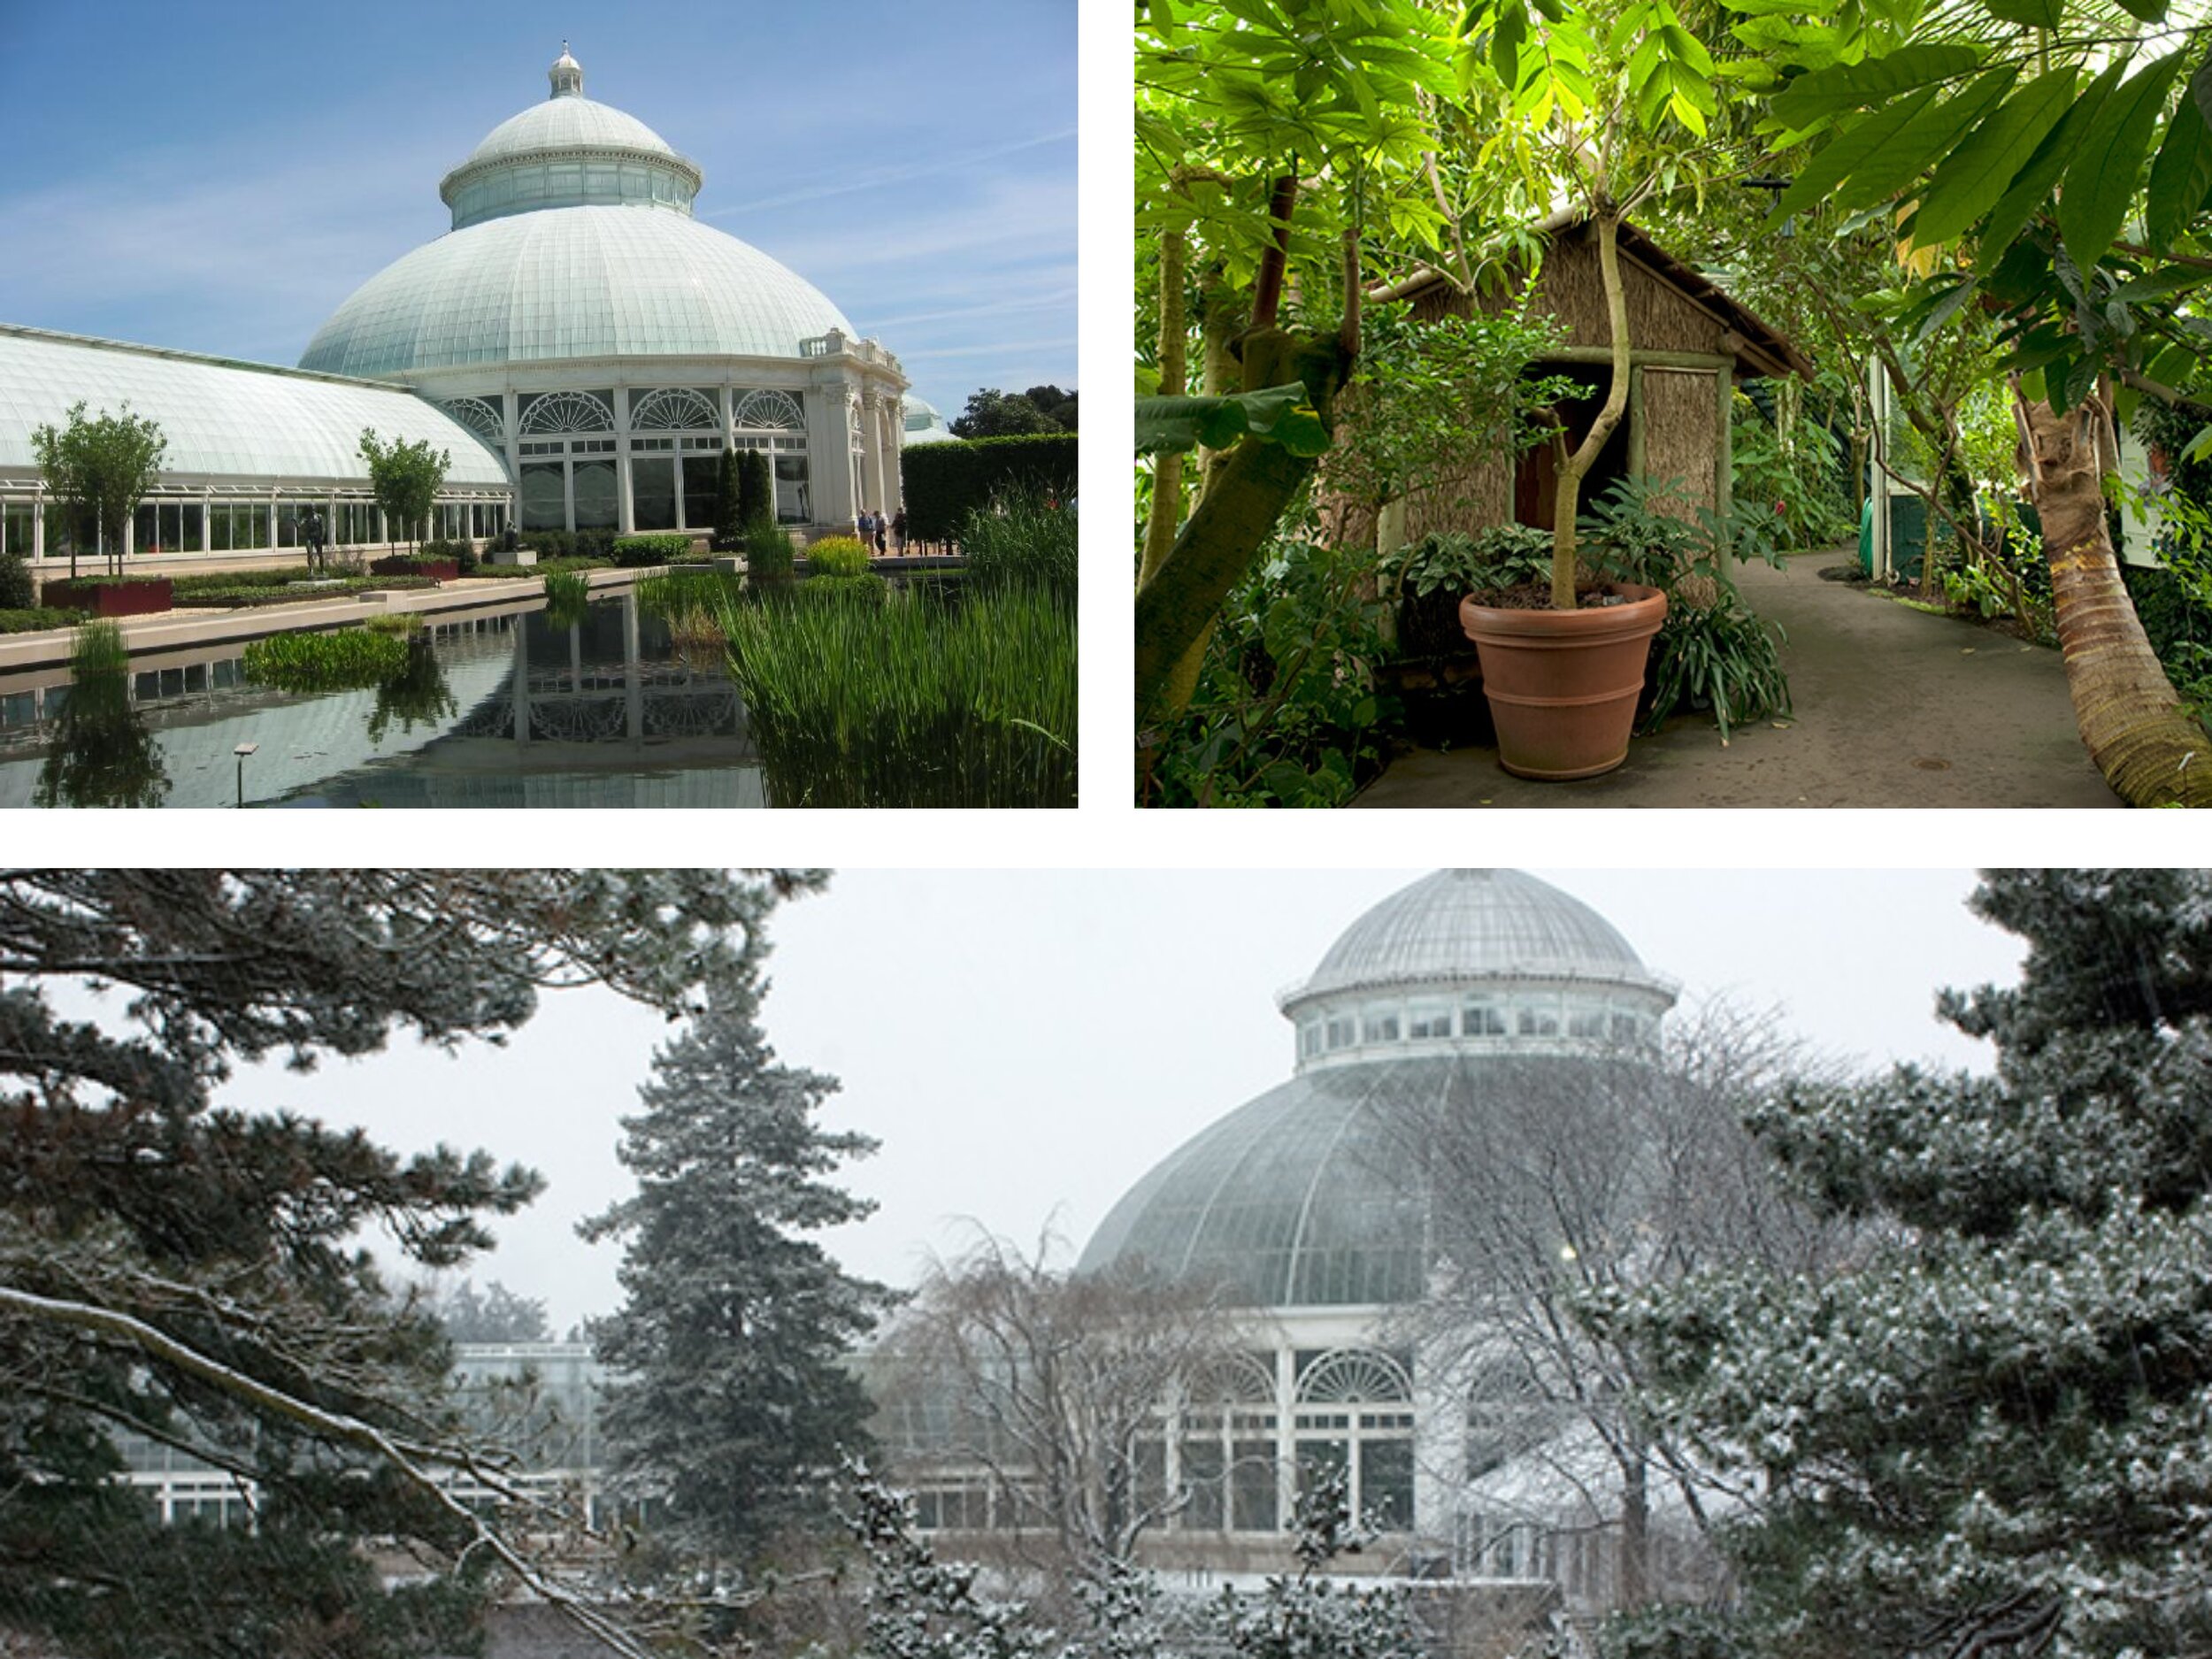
<point>673,409</point>
<point>478,417</point>
<point>771,411</point>
<point>568,412</point>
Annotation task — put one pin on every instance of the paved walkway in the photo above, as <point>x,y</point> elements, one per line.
<point>1894,707</point>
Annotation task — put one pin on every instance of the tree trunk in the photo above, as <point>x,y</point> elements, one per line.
<point>1633,1585</point>
<point>1240,507</point>
<point>2151,750</point>
<point>1567,498</point>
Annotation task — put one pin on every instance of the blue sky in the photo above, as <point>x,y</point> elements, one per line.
<point>218,177</point>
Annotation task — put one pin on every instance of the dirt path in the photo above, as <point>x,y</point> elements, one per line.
<point>1894,707</point>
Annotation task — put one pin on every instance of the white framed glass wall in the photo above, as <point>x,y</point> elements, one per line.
<point>1500,1014</point>
<point>179,523</point>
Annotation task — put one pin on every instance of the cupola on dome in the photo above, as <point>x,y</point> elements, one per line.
<point>1433,1002</point>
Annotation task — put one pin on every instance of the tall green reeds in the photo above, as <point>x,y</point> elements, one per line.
<point>913,702</point>
<point>567,598</point>
<point>103,754</point>
<point>1021,539</point>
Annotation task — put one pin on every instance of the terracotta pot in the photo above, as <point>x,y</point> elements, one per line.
<point>1562,685</point>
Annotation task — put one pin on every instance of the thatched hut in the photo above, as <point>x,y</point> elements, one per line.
<point>1690,343</point>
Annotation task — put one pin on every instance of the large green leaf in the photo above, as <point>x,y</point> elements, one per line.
<point>1278,414</point>
<point>2042,14</point>
<point>1928,136</point>
<point>1969,181</point>
<point>2100,182</point>
<point>1831,91</point>
<point>2149,10</point>
<point>2032,188</point>
<point>1842,157</point>
<point>2181,175</point>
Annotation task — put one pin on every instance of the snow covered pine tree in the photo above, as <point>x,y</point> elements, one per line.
<point>731,1403</point>
<point>1991,1436</point>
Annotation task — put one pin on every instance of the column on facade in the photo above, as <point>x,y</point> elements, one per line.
<point>1440,1439</point>
<point>893,426</point>
<point>871,449</point>
<point>625,515</point>
<point>829,455</point>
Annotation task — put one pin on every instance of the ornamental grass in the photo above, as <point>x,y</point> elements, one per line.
<point>910,704</point>
<point>344,659</point>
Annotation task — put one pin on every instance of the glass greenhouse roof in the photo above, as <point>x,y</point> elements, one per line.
<point>1474,924</point>
<point>222,419</point>
<point>1313,1194</point>
<point>568,123</point>
<point>573,282</point>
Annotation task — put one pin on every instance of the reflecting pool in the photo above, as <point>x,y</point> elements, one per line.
<point>496,709</point>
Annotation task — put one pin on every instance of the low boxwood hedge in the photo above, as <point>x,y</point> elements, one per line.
<point>38,619</point>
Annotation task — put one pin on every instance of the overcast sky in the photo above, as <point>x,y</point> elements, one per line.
<point>219,177</point>
<point>1025,1044</point>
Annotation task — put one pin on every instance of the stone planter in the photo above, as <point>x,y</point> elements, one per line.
<point>437,570</point>
<point>138,597</point>
<point>1562,685</point>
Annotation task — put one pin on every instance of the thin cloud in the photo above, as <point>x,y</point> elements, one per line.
<point>879,177</point>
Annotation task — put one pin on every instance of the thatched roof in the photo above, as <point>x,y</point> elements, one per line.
<point>1759,349</point>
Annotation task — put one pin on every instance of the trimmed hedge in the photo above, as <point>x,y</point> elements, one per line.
<point>836,555</point>
<point>38,619</point>
<point>633,552</point>
<point>250,594</point>
<point>945,482</point>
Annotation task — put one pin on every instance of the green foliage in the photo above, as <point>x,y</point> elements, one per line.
<point>1674,1632</point>
<point>405,478</point>
<point>1285,712</point>
<point>1801,484</point>
<point>98,471</point>
<point>1021,539</point>
<point>100,752</point>
<point>461,552</point>
<point>660,548</point>
<point>1719,658</point>
<point>342,659</point>
<point>2011,578</point>
<point>39,620</point>
<point>729,501</point>
<point>405,623</point>
<point>992,413</point>
<point>567,598</point>
<point>1274,414</point>
<point>836,555</point>
<point>17,591</point>
<point>240,594</point>
<point>945,482</point>
<point>769,554</point>
<point>917,702</point>
<point>1453,562</point>
<point>756,489</point>
<point>863,587</point>
<point>677,592</point>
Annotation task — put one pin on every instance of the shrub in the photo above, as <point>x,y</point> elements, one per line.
<point>756,489</point>
<point>945,482</point>
<point>248,593</point>
<point>633,552</point>
<point>836,555</point>
<point>15,583</point>
<point>462,553</point>
<point>400,622</point>
<point>273,576</point>
<point>908,704</point>
<point>1022,540</point>
<point>550,543</point>
<point>595,543</point>
<point>768,554</point>
<point>675,592</point>
<point>729,509</point>
<point>344,659</point>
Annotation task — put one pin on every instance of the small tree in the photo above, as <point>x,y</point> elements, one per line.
<point>756,490</point>
<point>729,507</point>
<point>406,478</point>
<point>992,413</point>
<point>99,470</point>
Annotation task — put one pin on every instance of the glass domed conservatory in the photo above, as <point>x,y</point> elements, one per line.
<point>582,346</point>
<point>1305,1209</point>
<point>609,345</point>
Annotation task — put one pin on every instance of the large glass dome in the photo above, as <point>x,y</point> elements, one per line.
<point>1435,1001</point>
<point>572,237</point>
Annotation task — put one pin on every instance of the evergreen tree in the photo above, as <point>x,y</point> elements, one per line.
<point>729,514</point>
<point>187,1273</point>
<point>1993,1434</point>
<point>733,1401</point>
<point>756,489</point>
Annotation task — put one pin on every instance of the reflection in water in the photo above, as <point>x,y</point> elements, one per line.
<point>416,696</point>
<point>102,753</point>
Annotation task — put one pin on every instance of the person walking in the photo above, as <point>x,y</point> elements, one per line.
<point>898,531</point>
<point>866,521</point>
<point>883,531</point>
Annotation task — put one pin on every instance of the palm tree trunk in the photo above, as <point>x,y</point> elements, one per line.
<point>2151,750</point>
